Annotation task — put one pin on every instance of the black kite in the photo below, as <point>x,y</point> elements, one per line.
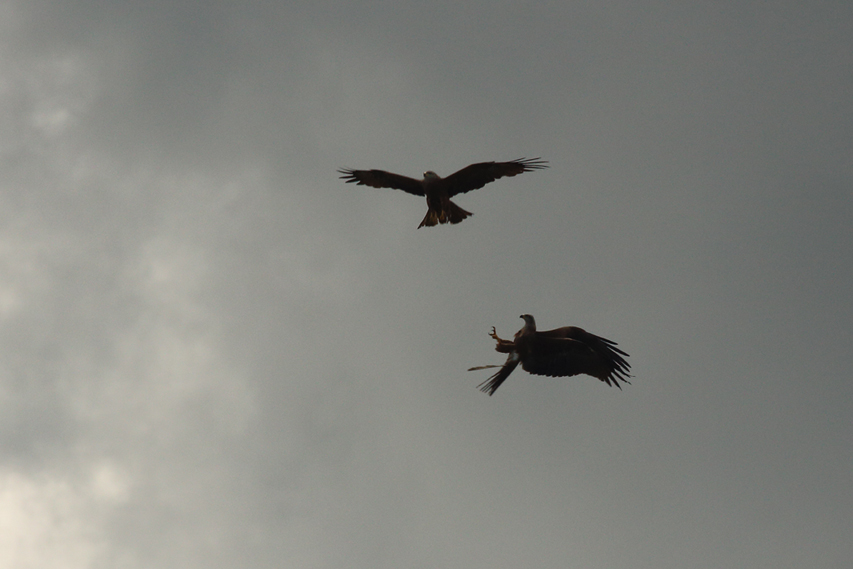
<point>438,190</point>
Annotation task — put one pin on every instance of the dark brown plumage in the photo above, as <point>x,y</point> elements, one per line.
<point>438,190</point>
<point>558,353</point>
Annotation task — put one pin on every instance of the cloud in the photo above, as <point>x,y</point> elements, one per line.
<point>216,354</point>
<point>58,519</point>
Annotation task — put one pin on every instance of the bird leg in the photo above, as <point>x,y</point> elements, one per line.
<point>504,346</point>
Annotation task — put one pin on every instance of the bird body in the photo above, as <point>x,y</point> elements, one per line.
<point>561,352</point>
<point>438,190</point>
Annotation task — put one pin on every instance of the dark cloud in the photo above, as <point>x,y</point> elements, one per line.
<point>217,354</point>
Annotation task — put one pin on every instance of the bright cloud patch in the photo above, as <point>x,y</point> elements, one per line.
<point>57,521</point>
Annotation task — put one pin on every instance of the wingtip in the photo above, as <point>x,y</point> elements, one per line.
<point>533,163</point>
<point>488,387</point>
<point>350,176</point>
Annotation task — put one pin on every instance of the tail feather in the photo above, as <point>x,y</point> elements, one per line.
<point>431,218</point>
<point>456,213</point>
<point>450,213</point>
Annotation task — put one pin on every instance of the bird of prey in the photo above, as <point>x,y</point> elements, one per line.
<point>438,190</point>
<point>558,353</point>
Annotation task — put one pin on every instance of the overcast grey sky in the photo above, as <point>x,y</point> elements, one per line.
<point>216,354</point>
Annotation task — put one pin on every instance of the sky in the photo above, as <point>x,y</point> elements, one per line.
<point>217,354</point>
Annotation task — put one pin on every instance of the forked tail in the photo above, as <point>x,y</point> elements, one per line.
<point>448,212</point>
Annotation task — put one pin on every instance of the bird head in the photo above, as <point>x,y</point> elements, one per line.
<point>529,322</point>
<point>430,175</point>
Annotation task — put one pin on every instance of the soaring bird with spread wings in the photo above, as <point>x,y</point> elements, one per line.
<point>558,353</point>
<point>438,190</point>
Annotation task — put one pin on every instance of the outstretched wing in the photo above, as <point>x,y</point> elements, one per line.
<point>476,176</point>
<point>382,179</point>
<point>562,357</point>
<point>490,385</point>
<point>558,357</point>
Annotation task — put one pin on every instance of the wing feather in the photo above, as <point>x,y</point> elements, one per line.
<point>557,357</point>
<point>561,357</point>
<point>476,176</point>
<point>491,385</point>
<point>382,179</point>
